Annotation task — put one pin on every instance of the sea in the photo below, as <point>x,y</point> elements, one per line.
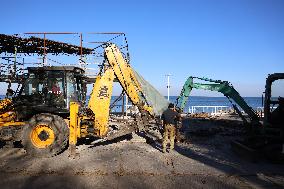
<point>254,102</point>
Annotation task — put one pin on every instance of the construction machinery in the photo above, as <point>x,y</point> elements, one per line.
<point>264,136</point>
<point>221,86</point>
<point>49,111</point>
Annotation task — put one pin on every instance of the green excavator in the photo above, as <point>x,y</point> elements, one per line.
<point>221,86</point>
<point>266,135</point>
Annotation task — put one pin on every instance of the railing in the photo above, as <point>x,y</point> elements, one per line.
<point>118,108</point>
<point>260,110</point>
<point>213,110</point>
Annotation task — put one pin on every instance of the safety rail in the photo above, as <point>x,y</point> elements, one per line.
<point>118,108</point>
<point>260,110</point>
<point>213,110</point>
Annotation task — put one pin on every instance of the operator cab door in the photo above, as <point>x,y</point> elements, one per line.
<point>75,90</point>
<point>276,112</point>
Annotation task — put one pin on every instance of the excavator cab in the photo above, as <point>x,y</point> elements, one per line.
<point>50,89</point>
<point>274,100</point>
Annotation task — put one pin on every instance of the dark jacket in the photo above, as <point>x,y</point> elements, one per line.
<point>170,116</point>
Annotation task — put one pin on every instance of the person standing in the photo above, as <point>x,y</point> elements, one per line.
<point>169,120</point>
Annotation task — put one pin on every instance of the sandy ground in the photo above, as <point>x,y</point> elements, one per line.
<point>200,162</point>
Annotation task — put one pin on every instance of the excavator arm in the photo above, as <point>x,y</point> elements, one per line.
<point>132,83</point>
<point>221,86</point>
<point>126,77</point>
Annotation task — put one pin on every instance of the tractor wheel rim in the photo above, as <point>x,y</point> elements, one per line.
<point>42,136</point>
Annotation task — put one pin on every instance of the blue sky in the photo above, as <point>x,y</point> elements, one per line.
<point>240,41</point>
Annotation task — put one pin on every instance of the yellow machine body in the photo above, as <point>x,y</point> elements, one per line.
<point>74,125</point>
<point>7,115</point>
<point>82,124</point>
<point>100,101</point>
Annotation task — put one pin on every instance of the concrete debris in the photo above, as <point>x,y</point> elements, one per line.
<point>199,162</point>
<point>137,138</point>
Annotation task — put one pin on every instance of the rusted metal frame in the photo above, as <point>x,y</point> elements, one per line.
<point>81,48</point>
<point>105,33</point>
<point>55,61</point>
<point>116,100</point>
<point>127,50</point>
<point>96,42</point>
<point>120,34</point>
<point>15,62</point>
<point>11,57</point>
<point>45,33</point>
<point>44,50</point>
<point>33,33</point>
<point>123,104</point>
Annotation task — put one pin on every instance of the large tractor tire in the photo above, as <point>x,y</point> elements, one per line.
<point>46,135</point>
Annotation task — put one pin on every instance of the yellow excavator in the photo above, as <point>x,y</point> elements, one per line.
<point>50,110</point>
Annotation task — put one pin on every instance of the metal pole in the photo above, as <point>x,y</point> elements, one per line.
<point>126,105</point>
<point>44,51</point>
<point>168,86</point>
<point>123,104</point>
<point>81,50</point>
<point>37,33</point>
<point>15,63</point>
